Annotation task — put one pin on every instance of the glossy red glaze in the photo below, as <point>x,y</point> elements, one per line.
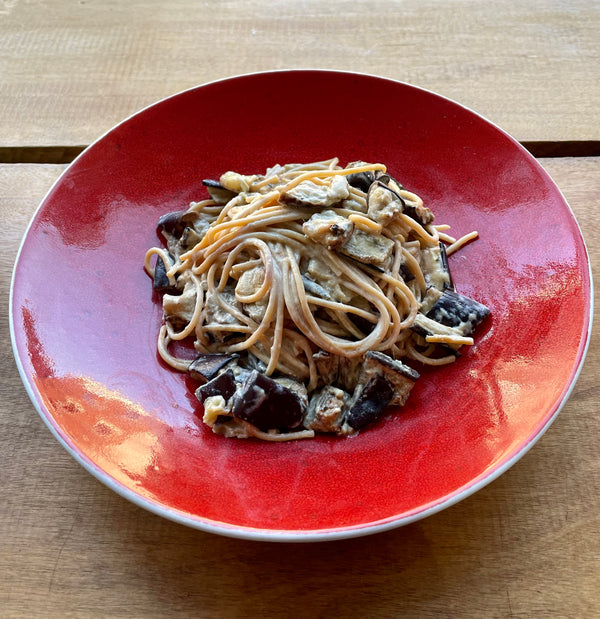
<point>85,322</point>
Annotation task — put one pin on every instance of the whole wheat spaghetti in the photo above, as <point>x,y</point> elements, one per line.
<point>307,287</point>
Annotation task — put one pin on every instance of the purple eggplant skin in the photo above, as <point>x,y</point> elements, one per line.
<point>217,192</point>
<point>209,182</point>
<point>223,385</point>
<point>172,223</point>
<point>361,180</point>
<point>160,282</point>
<point>406,273</point>
<point>446,267</point>
<point>206,367</point>
<point>266,404</point>
<point>459,311</point>
<point>370,403</point>
<point>420,214</point>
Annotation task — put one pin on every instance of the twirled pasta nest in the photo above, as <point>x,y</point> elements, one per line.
<point>305,290</point>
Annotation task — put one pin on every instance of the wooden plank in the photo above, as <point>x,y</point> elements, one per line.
<point>525,546</point>
<point>71,70</point>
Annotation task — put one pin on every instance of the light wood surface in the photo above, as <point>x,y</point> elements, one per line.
<point>71,70</point>
<point>528,545</point>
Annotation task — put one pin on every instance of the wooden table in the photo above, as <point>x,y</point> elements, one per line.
<point>528,545</point>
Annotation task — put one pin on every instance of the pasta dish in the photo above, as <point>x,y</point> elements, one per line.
<point>309,293</point>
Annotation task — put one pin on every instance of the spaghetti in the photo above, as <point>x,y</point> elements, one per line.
<point>308,286</point>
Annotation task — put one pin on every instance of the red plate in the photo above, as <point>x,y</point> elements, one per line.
<point>84,322</point>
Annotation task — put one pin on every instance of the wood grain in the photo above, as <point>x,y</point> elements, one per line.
<point>526,546</point>
<point>71,70</point>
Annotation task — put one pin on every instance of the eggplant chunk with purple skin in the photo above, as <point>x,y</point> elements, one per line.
<point>459,312</point>
<point>326,410</point>
<point>445,266</point>
<point>329,229</point>
<point>267,404</point>
<point>328,366</point>
<point>172,224</point>
<point>383,382</point>
<point>249,395</point>
<point>311,195</point>
<point>182,230</point>
<point>400,376</point>
<point>415,210</point>
<point>217,192</point>
<point>241,394</point>
<point>367,248</point>
<point>223,386</point>
<point>361,180</point>
<point>369,402</point>
<point>434,264</point>
<point>385,200</point>
<point>383,203</point>
<point>205,367</point>
<point>160,281</point>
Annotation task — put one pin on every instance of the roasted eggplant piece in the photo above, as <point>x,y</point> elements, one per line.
<point>267,404</point>
<point>406,273</point>
<point>310,195</point>
<point>459,312</point>
<point>326,410</point>
<point>174,223</point>
<point>205,367</point>
<point>171,223</point>
<point>329,229</point>
<point>160,281</point>
<point>372,249</point>
<point>349,373</point>
<point>446,266</point>
<point>389,180</point>
<point>189,238</point>
<point>361,180</point>
<point>383,382</point>
<point>383,204</point>
<point>315,289</point>
<point>217,192</point>
<point>435,266</point>
<point>327,365</point>
<point>217,314</point>
<point>179,308</point>
<point>340,371</point>
<point>223,385</point>
<point>368,402</point>
<point>418,212</point>
<point>400,376</point>
<point>295,386</point>
<point>252,362</point>
<point>182,230</point>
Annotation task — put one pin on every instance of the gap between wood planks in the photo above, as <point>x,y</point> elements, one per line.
<point>66,154</point>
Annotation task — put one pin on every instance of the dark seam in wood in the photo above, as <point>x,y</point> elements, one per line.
<point>66,154</point>
<point>39,154</point>
<point>573,148</point>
